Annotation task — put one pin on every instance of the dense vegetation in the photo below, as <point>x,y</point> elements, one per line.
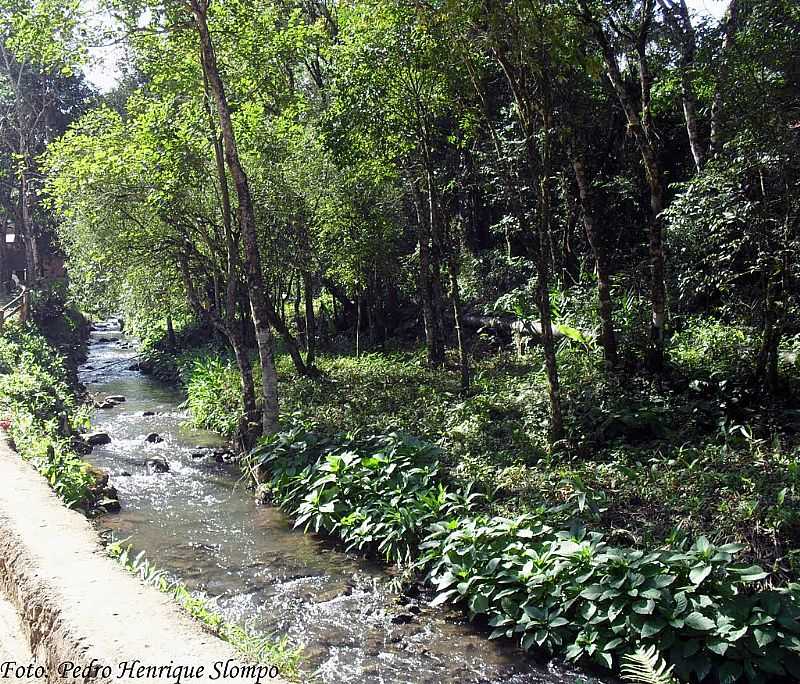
<point>553,589</point>
<point>653,462</point>
<point>39,408</point>
<point>346,214</point>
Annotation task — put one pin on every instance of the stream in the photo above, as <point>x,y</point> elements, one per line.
<point>200,523</point>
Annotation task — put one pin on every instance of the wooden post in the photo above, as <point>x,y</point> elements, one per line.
<point>2,318</point>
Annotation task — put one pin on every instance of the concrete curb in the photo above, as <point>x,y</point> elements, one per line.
<point>79,606</point>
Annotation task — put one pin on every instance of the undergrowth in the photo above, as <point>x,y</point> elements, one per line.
<point>39,408</point>
<point>690,477</point>
<point>375,493</point>
<point>562,589</point>
<point>659,459</point>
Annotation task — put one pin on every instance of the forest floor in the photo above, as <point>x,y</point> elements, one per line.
<point>698,450</point>
<point>651,461</point>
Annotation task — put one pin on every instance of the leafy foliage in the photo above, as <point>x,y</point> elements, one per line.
<point>710,346</point>
<point>212,387</point>
<point>375,493</point>
<point>645,666</point>
<point>571,591</point>
<point>566,591</point>
<point>648,454</point>
<point>35,400</point>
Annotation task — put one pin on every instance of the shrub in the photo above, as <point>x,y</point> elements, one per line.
<point>36,401</point>
<point>375,493</point>
<point>709,346</point>
<point>213,389</point>
<point>571,592</point>
<point>564,591</point>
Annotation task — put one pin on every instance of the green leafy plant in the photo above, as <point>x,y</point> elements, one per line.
<point>213,393</point>
<point>376,493</point>
<point>564,591</point>
<point>709,348</point>
<point>646,666</point>
<point>37,401</point>
<point>569,591</point>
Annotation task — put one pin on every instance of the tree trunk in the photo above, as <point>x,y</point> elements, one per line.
<point>677,16</point>
<point>379,309</point>
<point>639,124</point>
<point>540,167</point>
<point>289,340</point>
<point>458,314</point>
<point>658,292</point>
<point>542,268</point>
<point>3,266</point>
<point>690,115</point>
<point>234,328</point>
<point>767,361</point>
<point>435,262</point>
<point>255,278</point>
<point>29,239</point>
<point>369,304</point>
<point>249,428</point>
<point>731,23</point>
<point>608,338</point>
<point>425,283</point>
<point>299,322</point>
<point>280,311</point>
<point>339,294</point>
<point>311,322</point>
<point>323,324</point>
<point>358,326</point>
<point>171,339</point>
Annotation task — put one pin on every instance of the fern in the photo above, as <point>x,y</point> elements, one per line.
<point>646,666</point>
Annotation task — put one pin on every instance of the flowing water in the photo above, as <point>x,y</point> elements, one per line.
<point>199,522</point>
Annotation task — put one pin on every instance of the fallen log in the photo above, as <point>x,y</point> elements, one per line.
<point>506,326</point>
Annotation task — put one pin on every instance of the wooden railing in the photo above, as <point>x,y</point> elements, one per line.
<point>19,306</point>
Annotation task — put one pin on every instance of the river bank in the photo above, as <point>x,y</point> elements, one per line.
<point>198,521</point>
<point>569,599</point>
<point>76,605</point>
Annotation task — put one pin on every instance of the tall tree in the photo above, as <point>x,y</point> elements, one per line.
<point>39,49</point>
<point>247,221</point>
<point>639,118</point>
<point>677,17</point>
